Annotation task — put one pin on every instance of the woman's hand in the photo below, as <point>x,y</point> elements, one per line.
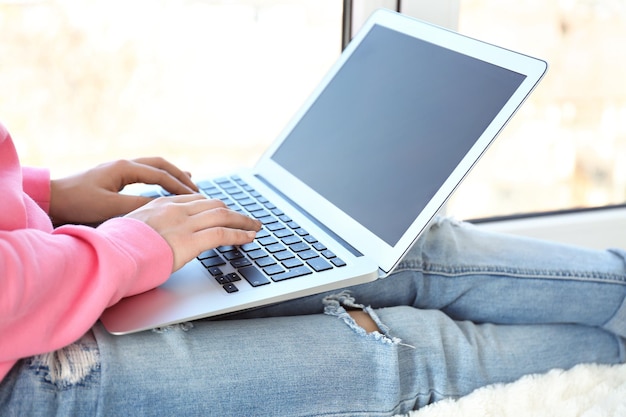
<point>93,196</point>
<point>192,223</point>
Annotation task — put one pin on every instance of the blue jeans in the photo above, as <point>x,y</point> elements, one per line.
<point>464,309</point>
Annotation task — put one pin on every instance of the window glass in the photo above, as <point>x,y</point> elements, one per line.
<point>205,83</point>
<point>566,147</point>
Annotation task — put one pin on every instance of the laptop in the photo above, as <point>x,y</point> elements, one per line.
<point>355,176</point>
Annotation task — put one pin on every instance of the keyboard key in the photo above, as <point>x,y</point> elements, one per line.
<point>233,254</point>
<point>239,196</point>
<point>207,254</point>
<point>266,261</point>
<point>308,254</point>
<point>262,233</point>
<point>236,196</point>
<point>266,220</point>
<point>258,214</point>
<point>267,240</point>
<point>204,184</point>
<point>328,254</point>
<point>290,240</point>
<point>215,271</point>
<point>255,207</point>
<point>211,262</point>
<point>281,233</point>
<point>218,196</point>
<point>254,276</point>
<point>319,264</point>
<point>275,247</point>
<point>223,249</point>
<point>246,201</point>
<point>225,182</point>
<point>222,279</point>
<point>221,180</point>
<point>275,225</point>
<point>235,192</point>
<point>338,262</point>
<point>230,288</point>
<point>292,263</point>
<point>256,254</point>
<point>231,189</point>
<point>319,246</point>
<point>207,187</point>
<point>249,247</point>
<point>241,262</point>
<point>310,239</point>
<point>282,255</point>
<point>292,273</point>
<point>299,247</point>
<point>233,277</point>
<point>273,269</point>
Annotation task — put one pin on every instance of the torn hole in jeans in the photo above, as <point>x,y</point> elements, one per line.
<point>339,304</point>
<point>76,364</point>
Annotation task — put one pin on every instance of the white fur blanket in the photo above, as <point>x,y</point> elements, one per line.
<point>583,391</point>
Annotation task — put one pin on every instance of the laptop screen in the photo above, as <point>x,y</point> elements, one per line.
<point>397,99</point>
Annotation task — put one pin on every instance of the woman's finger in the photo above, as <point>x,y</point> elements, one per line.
<point>221,236</point>
<point>125,172</point>
<point>222,217</point>
<point>175,172</point>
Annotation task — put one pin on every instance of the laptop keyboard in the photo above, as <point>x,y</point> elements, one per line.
<point>282,249</point>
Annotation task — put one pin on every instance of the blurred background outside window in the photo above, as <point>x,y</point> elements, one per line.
<point>209,83</point>
<point>206,84</point>
<point>566,147</point>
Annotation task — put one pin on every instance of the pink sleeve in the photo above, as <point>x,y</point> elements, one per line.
<point>56,285</point>
<point>36,183</point>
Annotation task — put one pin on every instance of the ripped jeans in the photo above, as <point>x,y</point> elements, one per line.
<point>464,309</point>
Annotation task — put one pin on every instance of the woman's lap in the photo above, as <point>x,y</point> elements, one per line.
<point>464,309</point>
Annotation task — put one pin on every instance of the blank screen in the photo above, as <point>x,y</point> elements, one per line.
<point>392,125</point>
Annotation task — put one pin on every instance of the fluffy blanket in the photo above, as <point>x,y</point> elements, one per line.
<point>583,391</point>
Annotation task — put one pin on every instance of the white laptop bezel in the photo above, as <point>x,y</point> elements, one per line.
<point>341,223</point>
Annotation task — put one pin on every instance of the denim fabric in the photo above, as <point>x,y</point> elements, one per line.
<point>465,308</point>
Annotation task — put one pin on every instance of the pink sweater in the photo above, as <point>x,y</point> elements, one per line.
<point>55,283</point>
